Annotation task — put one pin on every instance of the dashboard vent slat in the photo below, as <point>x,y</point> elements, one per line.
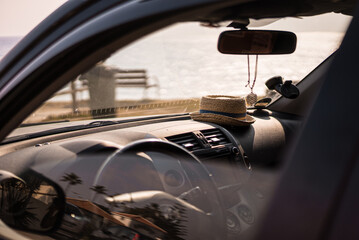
<point>215,137</point>
<point>186,140</point>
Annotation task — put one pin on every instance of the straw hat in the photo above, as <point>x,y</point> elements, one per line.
<point>221,109</point>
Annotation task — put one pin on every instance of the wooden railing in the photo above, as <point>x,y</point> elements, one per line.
<point>137,78</point>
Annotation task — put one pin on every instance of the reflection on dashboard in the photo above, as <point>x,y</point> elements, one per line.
<point>119,186</point>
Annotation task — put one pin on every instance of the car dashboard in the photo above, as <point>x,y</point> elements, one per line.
<point>147,157</point>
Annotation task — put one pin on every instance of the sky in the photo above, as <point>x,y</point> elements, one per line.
<point>18,17</point>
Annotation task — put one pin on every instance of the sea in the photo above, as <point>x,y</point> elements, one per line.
<point>189,66</point>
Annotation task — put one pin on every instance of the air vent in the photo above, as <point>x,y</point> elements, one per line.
<point>186,140</point>
<point>215,137</point>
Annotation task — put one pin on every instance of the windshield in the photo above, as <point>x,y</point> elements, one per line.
<point>170,70</point>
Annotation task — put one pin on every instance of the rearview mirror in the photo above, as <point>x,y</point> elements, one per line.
<point>257,42</point>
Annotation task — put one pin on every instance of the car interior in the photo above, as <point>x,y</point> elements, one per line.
<point>146,170</point>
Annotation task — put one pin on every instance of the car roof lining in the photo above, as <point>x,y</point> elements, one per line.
<point>278,9</point>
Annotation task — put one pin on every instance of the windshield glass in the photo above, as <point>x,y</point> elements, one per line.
<point>171,69</point>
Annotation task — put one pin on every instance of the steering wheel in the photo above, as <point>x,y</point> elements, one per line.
<point>198,211</point>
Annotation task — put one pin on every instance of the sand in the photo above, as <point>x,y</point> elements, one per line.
<point>58,111</point>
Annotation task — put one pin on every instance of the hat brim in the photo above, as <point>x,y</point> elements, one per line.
<point>221,119</point>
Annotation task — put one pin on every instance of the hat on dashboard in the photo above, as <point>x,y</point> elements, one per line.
<point>222,109</point>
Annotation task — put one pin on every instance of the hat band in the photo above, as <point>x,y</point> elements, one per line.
<point>233,115</point>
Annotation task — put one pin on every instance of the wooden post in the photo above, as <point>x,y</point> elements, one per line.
<point>73,94</point>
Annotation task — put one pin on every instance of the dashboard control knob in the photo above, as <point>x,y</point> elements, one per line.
<point>233,224</point>
<point>235,151</point>
<point>173,178</point>
<point>245,213</point>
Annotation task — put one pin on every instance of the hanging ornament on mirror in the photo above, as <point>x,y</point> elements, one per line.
<point>251,98</point>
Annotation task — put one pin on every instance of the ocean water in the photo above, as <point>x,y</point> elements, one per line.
<point>186,64</point>
<point>191,66</point>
